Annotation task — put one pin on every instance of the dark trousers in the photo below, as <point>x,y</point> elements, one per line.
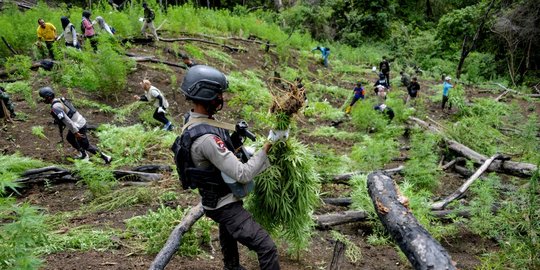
<point>68,44</point>
<point>387,75</point>
<point>444,100</point>
<point>237,225</point>
<point>160,117</point>
<point>93,41</point>
<point>49,45</point>
<point>81,144</point>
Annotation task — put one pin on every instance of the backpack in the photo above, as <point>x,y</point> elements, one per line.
<point>67,103</point>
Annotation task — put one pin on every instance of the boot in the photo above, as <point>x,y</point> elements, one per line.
<point>82,156</point>
<point>106,158</point>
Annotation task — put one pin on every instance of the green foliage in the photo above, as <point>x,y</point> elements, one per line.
<point>224,58</point>
<point>479,67</point>
<point>365,118</point>
<point>99,181</point>
<point>19,66</point>
<point>352,251</point>
<point>38,132</point>
<point>373,153</point>
<point>516,223</point>
<point>328,161</point>
<point>124,197</point>
<point>22,230</point>
<point>454,25</point>
<point>154,228</point>
<point>422,169</point>
<point>131,144</point>
<point>286,194</point>
<point>251,97</point>
<point>12,167</point>
<point>360,196</point>
<point>81,238</point>
<point>332,132</point>
<point>24,89</point>
<point>194,52</point>
<point>323,111</point>
<point>104,72</point>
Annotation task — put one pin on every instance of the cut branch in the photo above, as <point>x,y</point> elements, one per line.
<point>422,250</point>
<point>458,193</point>
<point>337,258</point>
<point>452,163</point>
<point>343,178</point>
<point>510,167</point>
<point>232,49</point>
<point>153,59</point>
<point>175,238</point>
<point>326,221</point>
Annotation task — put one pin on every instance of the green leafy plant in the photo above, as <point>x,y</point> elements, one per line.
<point>153,230</point>
<point>38,132</point>
<point>12,167</point>
<point>99,181</point>
<point>352,251</point>
<point>422,169</point>
<point>24,89</point>
<point>374,153</point>
<point>19,66</point>
<point>81,238</point>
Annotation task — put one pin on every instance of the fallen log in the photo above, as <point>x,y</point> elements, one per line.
<point>452,163</point>
<point>502,95</point>
<point>343,178</point>
<point>422,250</point>
<point>463,171</point>
<point>141,176</point>
<point>345,201</point>
<point>153,59</point>
<point>461,190</point>
<point>510,167</point>
<point>232,49</point>
<point>337,258</point>
<point>175,238</point>
<point>234,38</point>
<point>326,221</point>
<point>153,168</point>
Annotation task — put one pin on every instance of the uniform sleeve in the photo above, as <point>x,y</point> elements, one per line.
<point>59,112</point>
<point>213,149</point>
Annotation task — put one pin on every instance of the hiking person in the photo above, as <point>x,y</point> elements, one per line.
<point>325,52</point>
<point>161,103</point>
<point>69,33</point>
<point>412,90</point>
<point>445,93</point>
<point>405,78</point>
<point>386,110</point>
<point>205,159</point>
<point>188,61</point>
<point>148,22</point>
<point>384,66</point>
<point>65,115</point>
<point>359,93</point>
<point>88,29</point>
<point>6,105</point>
<point>381,85</point>
<point>104,26</point>
<point>46,33</point>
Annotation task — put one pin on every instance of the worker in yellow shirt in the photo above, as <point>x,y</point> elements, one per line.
<point>46,32</point>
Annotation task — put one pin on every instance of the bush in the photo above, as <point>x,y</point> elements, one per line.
<point>98,180</point>
<point>24,89</point>
<point>373,153</point>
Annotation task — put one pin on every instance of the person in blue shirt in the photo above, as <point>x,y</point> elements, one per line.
<point>325,53</point>
<point>446,90</point>
<point>359,93</point>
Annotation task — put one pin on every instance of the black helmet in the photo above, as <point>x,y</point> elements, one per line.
<point>381,75</point>
<point>46,92</point>
<point>203,83</point>
<point>86,14</point>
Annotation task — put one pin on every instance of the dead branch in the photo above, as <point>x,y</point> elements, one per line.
<point>422,250</point>
<point>463,171</point>
<point>153,59</point>
<point>337,258</point>
<point>140,176</point>
<point>326,221</point>
<point>502,95</point>
<point>19,4</point>
<point>9,46</point>
<point>344,201</point>
<point>452,163</point>
<point>510,167</point>
<point>343,178</point>
<point>153,168</point>
<point>458,193</point>
<point>232,49</point>
<point>175,238</point>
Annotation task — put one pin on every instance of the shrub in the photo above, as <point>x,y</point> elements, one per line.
<point>22,88</point>
<point>81,238</point>
<point>12,167</point>
<point>19,66</point>
<point>373,153</point>
<point>422,169</point>
<point>98,180</point>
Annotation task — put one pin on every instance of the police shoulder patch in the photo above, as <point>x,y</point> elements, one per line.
<point>220,143</point>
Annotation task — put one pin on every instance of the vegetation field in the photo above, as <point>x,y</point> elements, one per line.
<point>92,218</point>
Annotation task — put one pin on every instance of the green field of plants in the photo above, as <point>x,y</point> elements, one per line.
<point>85,214</point>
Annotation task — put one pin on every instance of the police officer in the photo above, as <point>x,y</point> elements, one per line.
<point>65,115</point>
<point>161,103</point>
<point>214,169</point>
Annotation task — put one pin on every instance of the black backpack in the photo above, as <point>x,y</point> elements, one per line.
<point>67,103</point>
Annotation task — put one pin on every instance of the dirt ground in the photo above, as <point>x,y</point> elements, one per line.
<point>465,248</point>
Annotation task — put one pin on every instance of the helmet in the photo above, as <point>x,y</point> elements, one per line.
<point>46,92</point>
<point>144,5</point>
<point>203,83</point>
<point>381,75</point>
<point>86,14</point>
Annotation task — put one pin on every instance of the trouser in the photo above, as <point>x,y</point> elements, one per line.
<point>93,41</point>
<point>160,117</point>
<point>354,100</point>
<point>237,225</point>
<point>325,59</point>
<point>81,144</point>
<point>444,100</point>
<point>70,44</point>
<point>387,75</point>
<point>149,25</point>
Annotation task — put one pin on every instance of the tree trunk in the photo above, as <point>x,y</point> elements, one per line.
<point>458,193</point>
<point>464,53</point>
<point>175,238</point>
<point>422,250</point>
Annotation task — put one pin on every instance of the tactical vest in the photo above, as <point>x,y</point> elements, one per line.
<point>208,180</point>
<point>67,104</point>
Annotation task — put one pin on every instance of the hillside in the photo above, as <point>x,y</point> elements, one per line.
<point>98,222</point>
